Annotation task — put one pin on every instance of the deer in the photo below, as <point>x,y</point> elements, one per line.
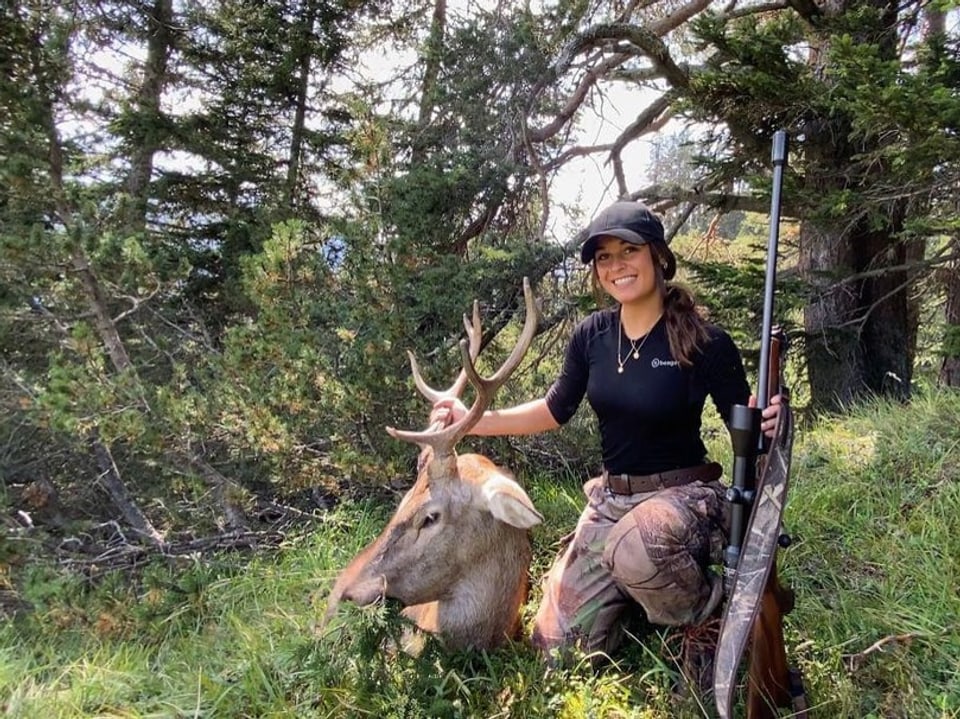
<point>456,553</point>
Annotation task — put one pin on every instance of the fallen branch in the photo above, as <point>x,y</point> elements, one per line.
<point>853,662</point>
<point>95,560</point>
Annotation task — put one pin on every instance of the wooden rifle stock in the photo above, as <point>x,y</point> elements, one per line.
<point>770,681</point>
<point>769,678</point>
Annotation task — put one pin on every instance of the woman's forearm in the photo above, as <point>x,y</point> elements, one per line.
<point>528,418</point>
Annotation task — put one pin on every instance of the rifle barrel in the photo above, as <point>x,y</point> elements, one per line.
<point>779,157</point>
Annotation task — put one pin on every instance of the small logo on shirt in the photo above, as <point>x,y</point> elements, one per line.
<point>657,362</point>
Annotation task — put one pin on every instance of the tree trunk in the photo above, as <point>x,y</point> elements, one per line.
<point>145,142</point>
<point>860,322</point>
<point>106,327</point>
<point>949,276</point>
<point>950,368</point>
<point>431,71</point>
<point>113,482</point>
<point>889,330</point>
<point>303,56</point>
<point>861,334</point>
<point>834,360</point>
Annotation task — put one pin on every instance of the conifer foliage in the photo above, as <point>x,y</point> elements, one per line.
<point>222,225</point>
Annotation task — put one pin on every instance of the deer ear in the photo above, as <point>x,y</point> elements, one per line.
<point>506,500</point>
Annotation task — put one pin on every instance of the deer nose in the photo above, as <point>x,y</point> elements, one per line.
<point>367,591</point>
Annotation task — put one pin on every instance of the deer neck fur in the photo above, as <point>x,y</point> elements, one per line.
<point>478,613</point>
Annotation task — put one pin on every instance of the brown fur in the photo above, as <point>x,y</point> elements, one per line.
<point>460,571</point>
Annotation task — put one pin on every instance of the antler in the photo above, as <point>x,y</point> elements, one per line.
<point>444,439</point>
<point>474,333</point>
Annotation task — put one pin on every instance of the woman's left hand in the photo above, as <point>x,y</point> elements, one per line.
<point>770,414</point>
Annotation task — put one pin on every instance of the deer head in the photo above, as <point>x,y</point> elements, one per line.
<point>456,551</point>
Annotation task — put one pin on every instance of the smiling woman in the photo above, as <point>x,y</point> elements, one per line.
<point>625,271</point>
<point>653,524</point>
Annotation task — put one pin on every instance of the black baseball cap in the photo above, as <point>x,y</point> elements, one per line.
<point>631,222</point>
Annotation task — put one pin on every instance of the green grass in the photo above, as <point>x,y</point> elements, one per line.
<point>874,512</point>
<point>876,509</point>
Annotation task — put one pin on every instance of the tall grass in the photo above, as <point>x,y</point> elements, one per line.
<point>874,513</point>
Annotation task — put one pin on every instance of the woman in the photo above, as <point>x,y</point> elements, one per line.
<point>654,519</point>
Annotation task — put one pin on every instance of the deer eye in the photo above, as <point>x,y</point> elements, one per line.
<point>429,519</point>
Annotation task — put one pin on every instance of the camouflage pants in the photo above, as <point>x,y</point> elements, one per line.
<point>653,549</point>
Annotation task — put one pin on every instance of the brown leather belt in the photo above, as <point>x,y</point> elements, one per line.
<point>636,484</point>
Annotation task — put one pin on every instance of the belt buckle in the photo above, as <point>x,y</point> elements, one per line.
<point>611,478</point>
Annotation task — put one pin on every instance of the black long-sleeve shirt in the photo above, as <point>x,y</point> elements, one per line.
<point>650,415</point>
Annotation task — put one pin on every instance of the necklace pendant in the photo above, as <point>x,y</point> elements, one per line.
<point>619,370</point>
<point>636,355</point>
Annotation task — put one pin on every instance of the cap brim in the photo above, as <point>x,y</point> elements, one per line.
<point>590,246</point>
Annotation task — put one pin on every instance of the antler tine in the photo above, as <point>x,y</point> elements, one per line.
<point>519,350</point>
<point>444,440</point>
<point>475,335</point>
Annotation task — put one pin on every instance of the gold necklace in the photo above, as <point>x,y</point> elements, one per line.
<point>635,348</point>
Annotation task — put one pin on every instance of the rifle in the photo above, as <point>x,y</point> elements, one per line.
<point>757,601</point>
<point>771,681</point>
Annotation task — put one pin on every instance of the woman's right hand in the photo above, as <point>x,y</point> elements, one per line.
<point>447,411</point>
